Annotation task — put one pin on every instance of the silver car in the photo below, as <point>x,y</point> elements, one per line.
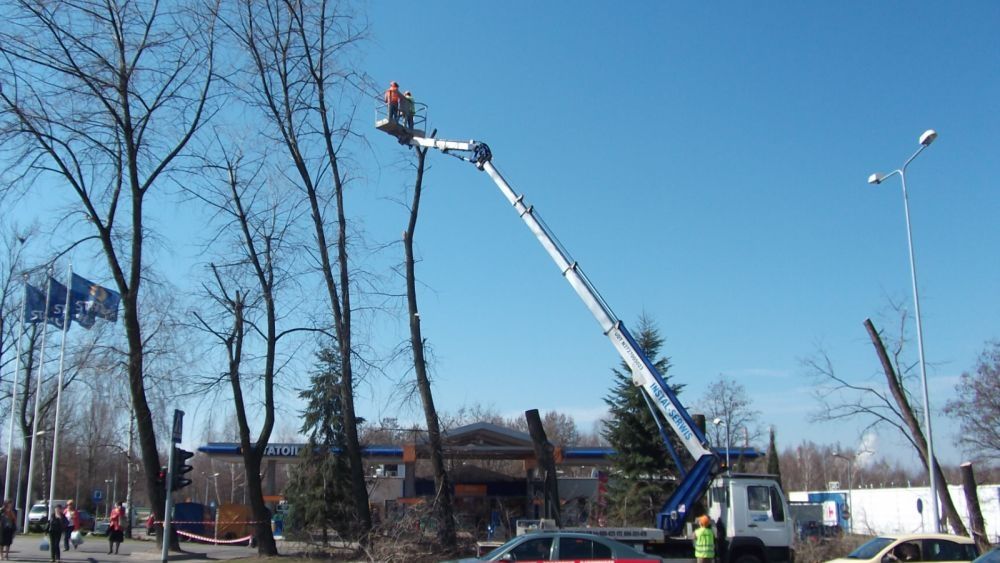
<point>562,546</point>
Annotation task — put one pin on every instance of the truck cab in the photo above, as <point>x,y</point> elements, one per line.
<point>753,521</point>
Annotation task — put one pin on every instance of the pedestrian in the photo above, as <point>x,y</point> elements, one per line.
<point>150,523</point>
<point>73,523</point>
<point>116,531</point>
<point>409,108</point>
<point>392,101</point>
<point>56,528</point>
<point>704,541</point>
<point>8,527</point>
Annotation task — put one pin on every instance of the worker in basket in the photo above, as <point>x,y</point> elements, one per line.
<point>392,101</point>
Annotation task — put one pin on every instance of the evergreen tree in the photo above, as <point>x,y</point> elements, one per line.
<point>640,482</point>
<point>319,489</point>
<point>773,468</point>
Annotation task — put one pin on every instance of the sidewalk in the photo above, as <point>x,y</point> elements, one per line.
<point>95,549</point>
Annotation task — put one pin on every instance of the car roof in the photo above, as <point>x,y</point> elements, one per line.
<point>562,534</point>
<point>929,536</point>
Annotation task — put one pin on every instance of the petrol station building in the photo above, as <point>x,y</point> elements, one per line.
<point>400,475</point>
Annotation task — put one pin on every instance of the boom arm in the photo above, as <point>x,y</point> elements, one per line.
<point>644,374</point>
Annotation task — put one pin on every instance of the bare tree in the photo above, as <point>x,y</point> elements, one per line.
<point>727,400</point>
<point>977,406</point>
<point>105,95</point>
<point>259,213</point>
<point>889,406</point>
<point>303,82</point>
<point>443,501</point>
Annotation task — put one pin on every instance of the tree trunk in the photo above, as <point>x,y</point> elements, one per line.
<point>546,462</point>
<point>917,435</point>
<point>444,502</point>
<point>976,521</point>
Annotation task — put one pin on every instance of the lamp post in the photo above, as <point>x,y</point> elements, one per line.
<point>925,141</point>
<point>720,422</point>
<point>850,491</point>
<point>206,475</point>
<point>107,497</point>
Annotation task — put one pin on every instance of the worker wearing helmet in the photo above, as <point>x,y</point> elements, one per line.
<point>704,540</point>
<point>409,108</point>
<point>392,101</point>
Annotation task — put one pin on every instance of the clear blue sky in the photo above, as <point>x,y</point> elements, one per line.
<point>707,165</point>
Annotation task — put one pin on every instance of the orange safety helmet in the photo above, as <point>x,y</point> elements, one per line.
<point>705,521</point>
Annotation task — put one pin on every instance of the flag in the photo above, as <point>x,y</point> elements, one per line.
<point>34,304</point>
<point>90,301</point>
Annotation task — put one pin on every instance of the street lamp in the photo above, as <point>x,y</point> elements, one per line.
<point>925,141</point>
<point>107,496</point>
<point>718,422</point>
<point>206,475</point>
<point>850,491</point>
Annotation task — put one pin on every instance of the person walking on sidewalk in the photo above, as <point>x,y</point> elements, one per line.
<point>116,531</point>
<point>73,523</point>
<point>8,526</point>
<point>55,530</point>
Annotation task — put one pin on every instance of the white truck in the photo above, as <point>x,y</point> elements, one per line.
<point>751,511</point>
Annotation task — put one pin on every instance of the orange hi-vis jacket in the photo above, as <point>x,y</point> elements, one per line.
<point>392,95</point>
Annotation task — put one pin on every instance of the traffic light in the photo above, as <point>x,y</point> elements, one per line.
<point>161,477</point>
<point>181,468</point>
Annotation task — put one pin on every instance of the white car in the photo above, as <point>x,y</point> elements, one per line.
<point>913,547</point>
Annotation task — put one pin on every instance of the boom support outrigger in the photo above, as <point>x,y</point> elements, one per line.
<point>662,401</point>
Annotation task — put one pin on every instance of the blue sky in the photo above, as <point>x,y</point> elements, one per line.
<point>706,164</point>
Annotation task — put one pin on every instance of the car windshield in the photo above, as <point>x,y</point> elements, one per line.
<point>870,549</point>
<point>37,509</point>
<point>501,548</point>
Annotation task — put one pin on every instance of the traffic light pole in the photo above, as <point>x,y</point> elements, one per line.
<point>169,507</point>
<point>169,485</point>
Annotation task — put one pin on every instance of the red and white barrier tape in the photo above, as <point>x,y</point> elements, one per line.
<point>212,540</point>
<point>207,522</point>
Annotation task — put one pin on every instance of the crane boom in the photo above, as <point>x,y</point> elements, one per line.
<point>694,480</point>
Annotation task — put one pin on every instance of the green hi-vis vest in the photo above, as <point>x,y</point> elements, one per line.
<point>704,543</point>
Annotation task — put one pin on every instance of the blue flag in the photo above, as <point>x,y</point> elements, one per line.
<point>90,301</point>
<point>34,304</point>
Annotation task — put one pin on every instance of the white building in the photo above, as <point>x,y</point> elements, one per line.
<point>895,511</point>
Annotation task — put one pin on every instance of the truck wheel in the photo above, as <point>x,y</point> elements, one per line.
<point>747,558</point>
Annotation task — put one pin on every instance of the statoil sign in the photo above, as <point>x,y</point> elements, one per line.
<point>282,450</point>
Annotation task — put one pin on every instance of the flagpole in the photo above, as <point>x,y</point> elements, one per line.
<point>62,356</point>
<point>38,396</point>
<point>13,393</point>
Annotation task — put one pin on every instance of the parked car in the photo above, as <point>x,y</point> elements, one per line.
<point>913,547</point>
<point>86,520</point>
<point>563,546</point>
<point>38,515</point>
<point>101,527</point>
<point>991,556</point>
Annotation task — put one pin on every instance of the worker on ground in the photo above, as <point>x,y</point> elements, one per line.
<point>409,109</point>
<point>704,541</point>
<point>392,101</point>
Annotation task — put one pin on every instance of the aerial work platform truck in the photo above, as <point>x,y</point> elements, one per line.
<point>750,511</point>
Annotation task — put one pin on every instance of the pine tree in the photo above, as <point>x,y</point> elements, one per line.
<point>641,469</point>
<point>773,468</point>
<point>319,489</point>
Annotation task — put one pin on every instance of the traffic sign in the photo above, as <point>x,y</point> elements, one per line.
<point>178,426</point>
<point>98,495</point>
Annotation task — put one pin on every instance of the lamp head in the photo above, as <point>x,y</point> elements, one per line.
<point>928,137</point>
<point>875,178</point>
<point>717,421</point>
